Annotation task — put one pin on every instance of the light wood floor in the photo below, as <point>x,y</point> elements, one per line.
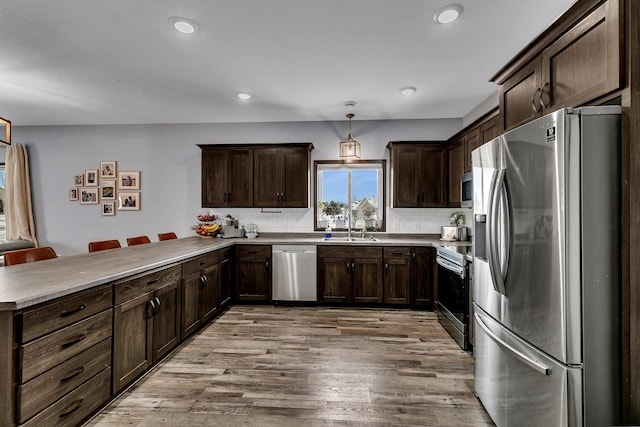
<point>308,366</point>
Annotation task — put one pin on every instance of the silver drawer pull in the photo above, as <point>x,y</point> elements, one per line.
<point>72,374</point>
<point>73,340</point>
<point>67,313</point>
<point>151,282</point>
<point>75,405</point>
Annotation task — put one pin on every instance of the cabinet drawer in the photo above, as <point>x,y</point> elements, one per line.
<point>350,252</point>
<point>253,251</point>
<point>146,282</point>
<point>53,349</point>
<point>397,252</point>
<point>198,263</point>
<point>53,316</point>
<point>78,405</point>
<point>50,386</point>
<point>225,253</point>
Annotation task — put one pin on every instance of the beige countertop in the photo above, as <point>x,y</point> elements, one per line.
<point>28,284</point>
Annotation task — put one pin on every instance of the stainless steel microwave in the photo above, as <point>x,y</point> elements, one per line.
<point>466,190</point>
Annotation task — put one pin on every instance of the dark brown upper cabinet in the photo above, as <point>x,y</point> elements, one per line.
<point>281,177</point>
<point>244,176</point>
<point>418,174</point>
<point>579,66</point>
<point>227,177</point>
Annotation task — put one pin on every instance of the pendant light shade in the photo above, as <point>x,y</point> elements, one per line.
<point>350,148</point>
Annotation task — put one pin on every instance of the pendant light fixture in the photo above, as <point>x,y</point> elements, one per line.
<point>350,148</point>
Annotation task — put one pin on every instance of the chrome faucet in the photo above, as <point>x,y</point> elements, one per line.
<point>348,218</point>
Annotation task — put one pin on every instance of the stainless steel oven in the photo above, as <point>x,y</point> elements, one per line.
<point>453,298</point>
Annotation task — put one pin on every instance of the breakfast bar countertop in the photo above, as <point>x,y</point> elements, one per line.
<point>25,285</point>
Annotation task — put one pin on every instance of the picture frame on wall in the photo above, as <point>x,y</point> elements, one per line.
<point>108,169</point>
<point>78,180</point>
<point>91,178</point>
<point>73,194</point>
<point>108,190</point>
<point>89,196</point>
<point>129,180</point>
<point>108,208</point>
<point>128,201</point>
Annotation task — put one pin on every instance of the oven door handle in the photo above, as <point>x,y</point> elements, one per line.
<point>450,266</point>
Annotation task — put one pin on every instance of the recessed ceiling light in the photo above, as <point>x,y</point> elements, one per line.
<point>407,91</point>
<point>244,96</point>
<point>183,25</point>
<point>448,14</point>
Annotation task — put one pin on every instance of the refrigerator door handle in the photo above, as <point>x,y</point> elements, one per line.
<point>537,366</point>
<point>497,276</point>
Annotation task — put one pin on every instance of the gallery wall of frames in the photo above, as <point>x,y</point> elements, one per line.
<point>107,187</point>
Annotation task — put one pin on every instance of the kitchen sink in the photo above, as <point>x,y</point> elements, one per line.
<point>352,239</point>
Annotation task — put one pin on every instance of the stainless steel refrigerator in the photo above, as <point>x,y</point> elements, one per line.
<point>547,270</point>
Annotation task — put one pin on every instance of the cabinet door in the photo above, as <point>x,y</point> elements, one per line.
<point>584,63</point>
<point>132,340</point>
<point>471,142</point>
<point>520,95</point>
<point>267,181</point>
<point>295,184</point>
<point>367,280</point>
<point>225,283</point>
<point>209,292</point>
<point>422,277</point>
<point>433,165</point>
<point>490,129</point>
<point>407,187</point>
<point>227,177</point>
<point>214,177</point>
<point>456,169</point>
<point>240,178</point>
<point>191,303</point>
<point>166,321</point>
<point>253,278</point>
<point>334,280</point>
<point>397,277</point>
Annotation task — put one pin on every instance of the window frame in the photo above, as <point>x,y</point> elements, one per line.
<point>382,163</point>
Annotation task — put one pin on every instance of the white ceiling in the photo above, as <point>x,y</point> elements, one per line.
<point>119,61</point>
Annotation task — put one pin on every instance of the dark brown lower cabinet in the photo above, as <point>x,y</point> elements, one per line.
<point>349,274</point>
<point>423,278</point>
<point>253,273</point>
<point>225,283</point>
<point>200,285</point>
<point>145,322</point>
<point>397,275</point>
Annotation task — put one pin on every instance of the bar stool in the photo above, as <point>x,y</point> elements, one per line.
<point>138,240</point>
<point>29,255</point>
<point>102,245</point>
<point>167,236</point>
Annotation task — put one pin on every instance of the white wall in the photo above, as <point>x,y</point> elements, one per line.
<point>169,161</point>
<point>487,105</point>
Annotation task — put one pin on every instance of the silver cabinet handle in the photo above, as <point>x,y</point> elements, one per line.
<point>542,104</point>
<point>534,105</point>
<point>537,366</point>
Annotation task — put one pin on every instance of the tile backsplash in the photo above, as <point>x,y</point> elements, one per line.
<point>410,221</point>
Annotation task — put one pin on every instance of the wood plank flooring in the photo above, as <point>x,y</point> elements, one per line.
<point>308,366</point>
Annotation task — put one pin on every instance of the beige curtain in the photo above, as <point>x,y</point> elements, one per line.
<point>18,209</point>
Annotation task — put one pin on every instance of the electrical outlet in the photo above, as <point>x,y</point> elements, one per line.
<point>396,225</point>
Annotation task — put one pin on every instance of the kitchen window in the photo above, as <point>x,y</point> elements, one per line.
<point>350,191</point>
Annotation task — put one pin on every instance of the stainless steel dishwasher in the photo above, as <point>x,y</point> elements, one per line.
<point>294,273</point>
